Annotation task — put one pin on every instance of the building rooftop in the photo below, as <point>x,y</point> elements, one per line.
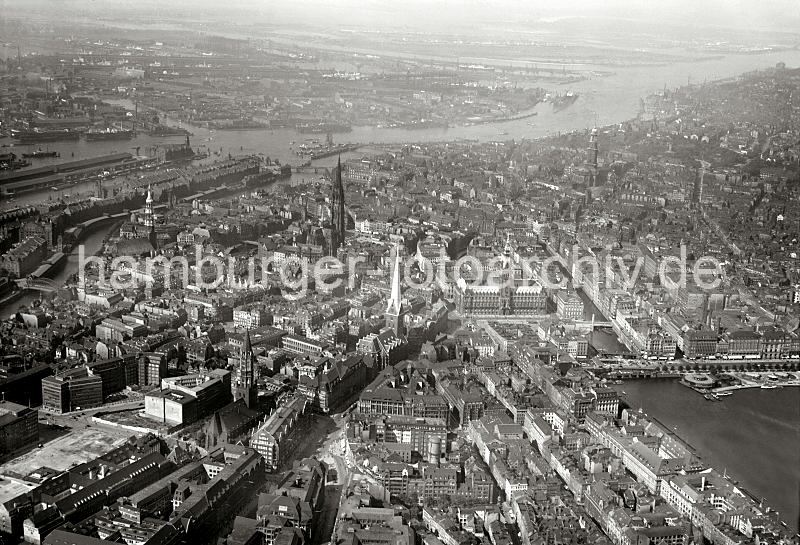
<point>173,395</point>
<point>11,488</point>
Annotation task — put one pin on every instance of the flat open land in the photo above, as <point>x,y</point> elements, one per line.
<point>78,446</point>
<point>133,418</point>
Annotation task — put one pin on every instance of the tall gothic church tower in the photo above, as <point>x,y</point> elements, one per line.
<point>338,213</point>
<point>244,383</point>
<point>394,310</point>
<point>592,153</point>
<point>153,238</point>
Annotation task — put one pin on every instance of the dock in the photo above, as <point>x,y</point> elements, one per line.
<point>20,181</point>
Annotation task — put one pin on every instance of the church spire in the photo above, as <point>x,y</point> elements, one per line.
<point>244,387</point>
<point>152,237</point>
<point>338,213</point>
<point>395,300</point>
<point>149,219</point>
<point>248,345</point>
<point>394,310</point>
<point>246,362</point>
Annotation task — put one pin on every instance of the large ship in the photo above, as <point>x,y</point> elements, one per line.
<point>322,154</point>
<point>109,133</point>
<point>562,101</point>
<point>322,127</point>
<point>237,125</point>
<point>164,130</point>
<point>34,135</point>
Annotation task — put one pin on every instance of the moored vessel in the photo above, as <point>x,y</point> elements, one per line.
<point>34,135</point>
<point>108,134</point>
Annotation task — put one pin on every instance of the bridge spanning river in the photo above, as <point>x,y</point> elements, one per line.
<point>38,284</point>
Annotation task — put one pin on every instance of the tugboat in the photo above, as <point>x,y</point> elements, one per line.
<point>9,161</point>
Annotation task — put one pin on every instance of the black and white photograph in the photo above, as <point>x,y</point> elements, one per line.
<point>382,272</point>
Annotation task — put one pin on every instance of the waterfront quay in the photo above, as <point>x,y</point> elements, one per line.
<point>637,368</point>
<point>752,428</point>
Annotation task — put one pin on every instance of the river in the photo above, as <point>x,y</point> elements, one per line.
<point>91,243</point>
<point>602,100</point>
<point>754,435</point>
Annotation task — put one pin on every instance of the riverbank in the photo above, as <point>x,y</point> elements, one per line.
<point>610,99</point>
<point>749,386</point>
<point>751,435</point>
<point>731,381</point>
<point>92,241</point>
<point>763,381</point>
<point>11,298</point>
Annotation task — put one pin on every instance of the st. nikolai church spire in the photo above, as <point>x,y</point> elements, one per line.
<point>394,309</point>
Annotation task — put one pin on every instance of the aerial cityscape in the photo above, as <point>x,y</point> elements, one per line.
<point>446,272</point>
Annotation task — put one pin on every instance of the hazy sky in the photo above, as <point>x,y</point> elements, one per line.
<point>781,15</point>
<point>778,15</point>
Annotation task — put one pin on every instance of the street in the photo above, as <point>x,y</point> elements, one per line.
<point>326,443</point>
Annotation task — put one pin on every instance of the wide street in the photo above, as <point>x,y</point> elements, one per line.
<point>322,437</point>
<point>330,450</point>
